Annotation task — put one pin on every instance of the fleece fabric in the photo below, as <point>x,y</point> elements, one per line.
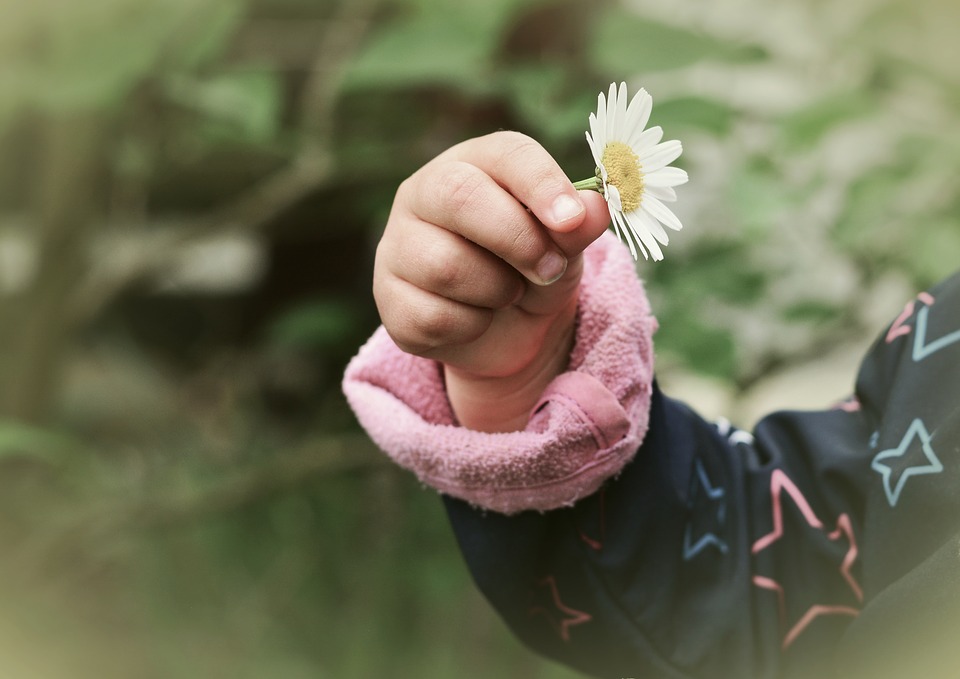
<point>585,428</point>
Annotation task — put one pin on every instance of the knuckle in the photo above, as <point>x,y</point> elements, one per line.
<point>507,293</point>
<point>512,138</point>
<point>444,326</point>
<point>526,249</point>
<point>405,189</point>
<point>444,273</point>
<point>413,338</point>
<point>459,186</point>
<point>434,326</point>
<point>542,175</point>
<point>544,180</point>
<point>438,325</point>
<point>519,145</point>
<point>440,263</point>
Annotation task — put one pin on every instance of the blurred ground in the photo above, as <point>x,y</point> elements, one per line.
<point>190,194</point>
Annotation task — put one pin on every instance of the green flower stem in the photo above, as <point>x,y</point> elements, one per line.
<point>591,184</point>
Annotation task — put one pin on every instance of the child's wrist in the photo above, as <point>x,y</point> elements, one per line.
<point>502,404</point>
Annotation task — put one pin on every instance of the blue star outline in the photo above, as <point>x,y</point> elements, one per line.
<point>702,481</point>
<point>920,347</point>
<point>934,466</point>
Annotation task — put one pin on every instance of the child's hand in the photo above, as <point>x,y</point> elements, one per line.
<point>467,275</point>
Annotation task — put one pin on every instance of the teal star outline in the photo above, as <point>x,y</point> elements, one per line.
<point>917,429</point>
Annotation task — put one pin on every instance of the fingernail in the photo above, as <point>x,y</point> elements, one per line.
<point>566,207</point>
<point>551,267</point>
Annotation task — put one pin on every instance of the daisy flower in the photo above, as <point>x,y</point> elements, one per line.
<point>633,172</point>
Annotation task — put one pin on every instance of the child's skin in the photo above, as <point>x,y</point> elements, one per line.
<point>479,268</point>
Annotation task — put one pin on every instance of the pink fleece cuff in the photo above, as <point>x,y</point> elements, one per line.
<point>586,427</point>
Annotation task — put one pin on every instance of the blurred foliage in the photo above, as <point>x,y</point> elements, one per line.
<point>190,192</point>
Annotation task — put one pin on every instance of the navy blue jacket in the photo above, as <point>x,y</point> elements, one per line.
<point>824,544</point>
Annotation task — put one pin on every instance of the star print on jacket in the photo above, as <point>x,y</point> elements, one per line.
<point>780,486</point>
<point>899,327</point>
<point>596,543</point>
<point>558,615</point>
<point>898,465</point>
<point>708,508</point>
<point>922,349</point>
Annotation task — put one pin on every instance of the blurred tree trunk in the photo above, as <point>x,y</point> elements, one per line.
<point>34,324</point>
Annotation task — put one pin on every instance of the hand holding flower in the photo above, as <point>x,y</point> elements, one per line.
<point>480,263</point>
<point>479,268</point>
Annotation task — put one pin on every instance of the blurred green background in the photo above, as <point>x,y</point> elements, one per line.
<point>190,196</point>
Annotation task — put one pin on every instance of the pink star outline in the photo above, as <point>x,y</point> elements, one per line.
<point>570,616</point>
<point>596,544</point>
<point>899,327</point>
<point>850,405</point>
<point>780,482</point>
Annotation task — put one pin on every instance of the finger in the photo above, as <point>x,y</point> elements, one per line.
<point>439,261</point>
<point>548,300</point>
<point>424,323</point>
<point>525,169</point>
<point>465,200</point>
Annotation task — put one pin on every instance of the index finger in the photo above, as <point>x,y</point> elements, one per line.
<point>526,170</point>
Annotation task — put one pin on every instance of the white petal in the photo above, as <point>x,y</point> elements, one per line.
<point>612,105</point>
<point>660,155</point>
<point>653,226</point>
<point>622,102</point>
<point>664,193</point>
<point>661,213</point>
<point>613,197</point>
<point>632,237</point>
<point>646,139</point>
<point>594,149</point>
<point>667,176</point>
<point>640,231</point>
<point>623,234</point>
<point>594,127</point>
<point>638,114</point>
<point>598,123</point>
<point>599,130</point>
<point>623,121</point>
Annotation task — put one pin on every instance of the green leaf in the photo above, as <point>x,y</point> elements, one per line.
<point>807,126</point>
<point>320,325</point>
<point>758,196</point>
<point>697,112</point>
<point>542,97</point>
<point>64,56</point>
<point>626,43</point>
<point>435,42</point>
<point>706,349</point>
<point>812,311</point>
<point>245,102</point>
<point>22,440</point>
<point>428,49</point>
<point>204,37</point>
<point>934,250</point>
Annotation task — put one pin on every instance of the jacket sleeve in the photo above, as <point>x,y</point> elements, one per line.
<point>677,547</point>
<point>822,544</point>
<point>714,553</point>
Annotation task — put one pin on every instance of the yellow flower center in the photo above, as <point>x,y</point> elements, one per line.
<point>623,171</point>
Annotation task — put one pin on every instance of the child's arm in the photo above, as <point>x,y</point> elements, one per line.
<point>815,544</point>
